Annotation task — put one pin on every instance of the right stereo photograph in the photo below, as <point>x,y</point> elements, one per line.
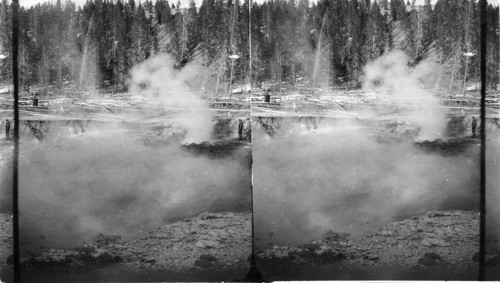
<point>366,166</point>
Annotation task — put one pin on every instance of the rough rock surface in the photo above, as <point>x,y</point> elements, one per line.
<point>437,241</point>
<point>6,246</point>
<point>450,238</point>
<point>210,241</point>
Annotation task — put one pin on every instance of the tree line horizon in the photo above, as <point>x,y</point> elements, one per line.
<point>326,43</point>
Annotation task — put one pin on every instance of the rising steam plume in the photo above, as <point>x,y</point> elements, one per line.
<point>340,178</point>
<point>72,189</point>
<point>158,75</point>
<point>391,74</point>
<point>106,181</point>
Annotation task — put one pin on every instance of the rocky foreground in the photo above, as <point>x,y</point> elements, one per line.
<point>211,243</point>
<point>6,247</point>
<point>436,245</point>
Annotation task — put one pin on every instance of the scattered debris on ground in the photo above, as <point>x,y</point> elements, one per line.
<point>210,241</point>
<point>436,241</point>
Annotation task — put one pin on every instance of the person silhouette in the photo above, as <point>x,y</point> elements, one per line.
<point>474,124</point>
<point>7,128</point>
<point>240,129</point>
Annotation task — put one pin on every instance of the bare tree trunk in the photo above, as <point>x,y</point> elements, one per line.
<point>231,79</point>
<point>250,46</point>
<point>455,57</point>
<point>59,71</point>
<point>217,84</point>
<point>438,79</point>
<point>468,47</point>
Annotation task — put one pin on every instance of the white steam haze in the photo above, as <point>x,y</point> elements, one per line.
<point>157,74</point>
<point>391,73</point>
<point>6,168</point>
<point>493,190</point>
<point>338,178</point>
<point>73,187</point>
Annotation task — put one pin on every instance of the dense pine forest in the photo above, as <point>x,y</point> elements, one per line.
<point>324,43</point>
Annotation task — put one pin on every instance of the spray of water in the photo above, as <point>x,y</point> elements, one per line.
<point>88,68</point>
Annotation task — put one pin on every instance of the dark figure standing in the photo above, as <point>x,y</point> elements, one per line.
<point>7,128</point>
<point>35,99</point>
<point>267,96</point>
<point>240,129</point>
<point>474,124</point>
<point>249,130</point>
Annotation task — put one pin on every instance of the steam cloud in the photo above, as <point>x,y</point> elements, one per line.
<point>339,179</point>
<point>72,189</point>
<point>493,190</point>
<point>104,181</point>
<point>6,178</point>
<point>158,75</point>
<point>391,72</point>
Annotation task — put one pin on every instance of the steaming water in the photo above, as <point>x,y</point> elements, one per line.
<point>338,178</point>
<point>493,197</point>
<point>6,153</point>
<point>73,187</point>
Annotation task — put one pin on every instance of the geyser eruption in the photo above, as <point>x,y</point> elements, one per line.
<point>340,179</point>
<point>72,189</point>
<point>391,73</point>
<point>107,181</point>
<point>157,74</point>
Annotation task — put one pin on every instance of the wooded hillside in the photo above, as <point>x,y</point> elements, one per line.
<point>327,42</point>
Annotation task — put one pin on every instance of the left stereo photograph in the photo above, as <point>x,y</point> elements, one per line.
<point>134,170</point>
